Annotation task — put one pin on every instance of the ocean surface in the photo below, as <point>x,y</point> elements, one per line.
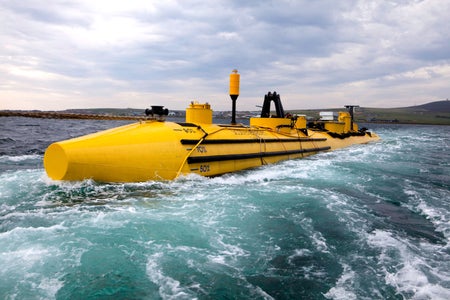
<point>366,222</point>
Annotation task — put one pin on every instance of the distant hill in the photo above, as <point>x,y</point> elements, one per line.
<point>437,106</point>
<point>435,113</point>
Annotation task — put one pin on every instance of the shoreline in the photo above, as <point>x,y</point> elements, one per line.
<point>79,116</point>
<point>59,115</point>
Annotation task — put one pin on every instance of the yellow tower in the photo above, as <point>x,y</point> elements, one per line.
<point>234,93</point>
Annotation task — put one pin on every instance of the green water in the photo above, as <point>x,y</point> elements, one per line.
<point>367,222</point>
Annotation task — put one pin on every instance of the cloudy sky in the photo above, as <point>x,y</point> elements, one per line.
<point>135,53</point>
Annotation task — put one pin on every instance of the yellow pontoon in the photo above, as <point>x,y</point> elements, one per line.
<point>154,149</point>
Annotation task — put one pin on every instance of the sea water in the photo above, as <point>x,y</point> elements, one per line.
<point>366,222</point>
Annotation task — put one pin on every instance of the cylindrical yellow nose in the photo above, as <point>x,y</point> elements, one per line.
<point>56,162</point>
<point>234,83</point>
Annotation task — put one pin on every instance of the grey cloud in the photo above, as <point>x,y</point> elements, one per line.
<point>162,47</point>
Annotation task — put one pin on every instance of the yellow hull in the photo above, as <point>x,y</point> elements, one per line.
<point>155,150</point>
<point>158,150</point>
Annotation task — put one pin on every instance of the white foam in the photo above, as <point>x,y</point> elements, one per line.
<point>226,254</point>
<point>169,288</point>
<point>320,242</point>
<point>25,183</point>
<point>217,259</point>
<point>21,232</point>
<point>317,239</point>
<point>20,259</point>
<point>6,158</point>
<point>21,178</point>
<point>438,213</point>
<point>20,265</point>
<point>50,286</point>
<point>344,285</point>
<point>438,216</point>
<point>299,253</point>
<point>411,275</point>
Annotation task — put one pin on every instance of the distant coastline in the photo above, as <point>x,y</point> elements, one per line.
<point>433,113</point>
<point>64,115</point>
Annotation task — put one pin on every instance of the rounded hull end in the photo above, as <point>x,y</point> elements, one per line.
<point>55,162</point>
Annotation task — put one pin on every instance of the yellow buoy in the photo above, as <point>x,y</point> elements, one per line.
<point>234,83</point>
<point>234,93</point>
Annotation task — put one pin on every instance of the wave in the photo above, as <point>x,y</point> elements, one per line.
<point>413,276</point>
<point>364,222</point>
<point>19,158</point>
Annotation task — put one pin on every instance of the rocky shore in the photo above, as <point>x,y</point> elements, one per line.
<point>60,115</point>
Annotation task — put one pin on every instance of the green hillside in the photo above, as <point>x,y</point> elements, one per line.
<point>437,113</point>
